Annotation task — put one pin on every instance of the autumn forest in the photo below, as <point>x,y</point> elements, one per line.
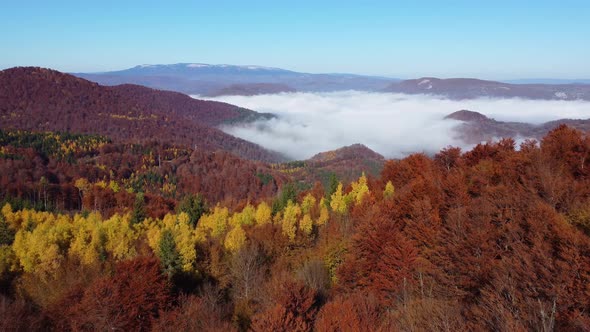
<point>115,222</point>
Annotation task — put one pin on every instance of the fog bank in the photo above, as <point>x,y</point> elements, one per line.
<point>393,125</point>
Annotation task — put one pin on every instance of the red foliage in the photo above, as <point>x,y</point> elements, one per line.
<point>295,310</point>
<point>130,299</point>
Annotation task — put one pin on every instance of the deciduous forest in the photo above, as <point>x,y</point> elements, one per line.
<point>97,234</point>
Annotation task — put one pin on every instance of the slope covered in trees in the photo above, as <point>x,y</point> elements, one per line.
<point>496,238</point>
<point>46,100</point>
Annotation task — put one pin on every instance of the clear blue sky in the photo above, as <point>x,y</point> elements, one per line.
<point>486,39</point>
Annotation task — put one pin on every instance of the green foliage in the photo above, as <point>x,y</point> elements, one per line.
<point>63,146</point>
<point>288,193</point>
<point>138,214</point>
<point>6,233</point>
<point>168,253</point>
<point>195,206</point>
<point>265,178</point>
<point>332,187</point>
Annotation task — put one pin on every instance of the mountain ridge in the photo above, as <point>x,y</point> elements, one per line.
<point>39,99</point>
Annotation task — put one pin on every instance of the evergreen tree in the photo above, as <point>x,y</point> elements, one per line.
<point>169,256</point>
<point>195,206</point>
<point>138,214</point>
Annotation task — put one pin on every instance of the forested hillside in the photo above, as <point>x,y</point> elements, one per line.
<point>46,100</point>
<point>495,238</point>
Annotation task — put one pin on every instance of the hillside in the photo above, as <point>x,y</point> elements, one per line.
<point>477,127</point>
<point>252,89</point>
<point>469,88</point>
<point>46,100</point>
<point>346,164</point>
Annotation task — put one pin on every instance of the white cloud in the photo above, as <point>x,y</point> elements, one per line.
<point>391,124</point>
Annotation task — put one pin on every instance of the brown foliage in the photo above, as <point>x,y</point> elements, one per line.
<point>295,310</point>
<point>130,299</point>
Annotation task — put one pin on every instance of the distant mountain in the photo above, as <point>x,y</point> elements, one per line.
<point>40,99</point>
<point>206,79</point>
<point>477,128</point>
<point>252,89</point>
<point>469,88</point>
<point>347,153</point>
<point>547,81</point>
<point>347,163</point>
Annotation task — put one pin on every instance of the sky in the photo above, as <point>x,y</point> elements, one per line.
<point>405,39</point>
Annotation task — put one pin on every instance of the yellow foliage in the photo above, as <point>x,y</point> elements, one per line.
<point>306,224</point>
<point>359,189</point>
<point>308,203</point>
<point>337,201</point>
<point>102,184</point>
<point>89,239</point>
<point>7,211</point>
<point>235,239</point>
<point>121,236</point>
<point>389,190</point>
<point>324,215</point>
<point>263,214</point>
<point>214,222</point>
<point>246,217</point>
<point>114,186</point>
<point>290,216</point>
<point>42,249</point>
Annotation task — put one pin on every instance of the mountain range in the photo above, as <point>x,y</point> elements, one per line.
<point>216,80</point>
<point>469,88</point>
<point>211,80</point>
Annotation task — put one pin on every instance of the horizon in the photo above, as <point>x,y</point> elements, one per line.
<point>500,41</point>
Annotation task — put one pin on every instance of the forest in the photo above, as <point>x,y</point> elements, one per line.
<point>98,234</point>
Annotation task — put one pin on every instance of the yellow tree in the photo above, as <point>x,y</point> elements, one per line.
<point>290,217</point>
<point>306,224</point>
<point>263,214</point>
<point>389,190</point>
<point>308,204</point>
<point>235,239</point>
<point>324,215</point>
<point>359,190</point>
<point>214,222</point>
<point>338,201</point>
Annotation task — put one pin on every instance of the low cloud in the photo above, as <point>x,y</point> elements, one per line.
<point>392,124</point>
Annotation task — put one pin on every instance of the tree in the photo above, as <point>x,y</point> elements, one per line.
<point>129,300</point>
<point>235,239</point>
<point>263,214</point>
<point>332,187</point>
<point>338,201</point>
<point>82,185</point>
<point>169,256</point>
<point>195,206</point>
<point>138,214</point>
<point>389,190</point>
<point>290,217</point>
<point>296,308</point>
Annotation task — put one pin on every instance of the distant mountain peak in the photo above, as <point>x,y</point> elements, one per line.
<point>354,151</point>
<point>467,116</point>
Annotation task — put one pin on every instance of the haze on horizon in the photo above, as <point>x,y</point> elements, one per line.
<point>500,40</point>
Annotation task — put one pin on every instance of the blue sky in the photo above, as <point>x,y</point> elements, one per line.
<point>485,39</point>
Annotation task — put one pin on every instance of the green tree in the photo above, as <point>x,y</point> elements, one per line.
<point>195,206</point>
<point>332,187</point>
<point>138,214</point>
<point>6,233</point>
<point>168,253</point>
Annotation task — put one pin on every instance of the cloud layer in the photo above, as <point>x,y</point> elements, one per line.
<point>391,124</point>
